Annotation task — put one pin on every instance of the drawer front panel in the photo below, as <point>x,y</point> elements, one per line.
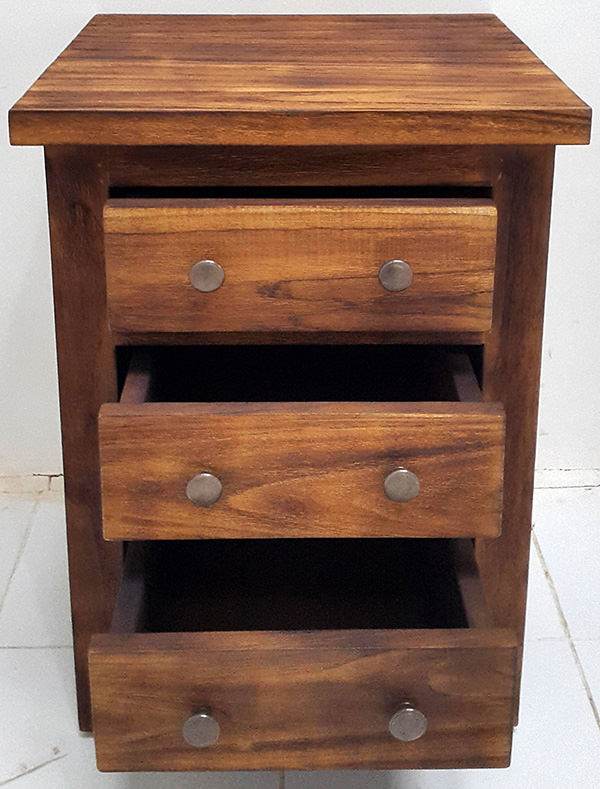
<point>304,266</point>
<point>301,469</point>
<point>302,700</point>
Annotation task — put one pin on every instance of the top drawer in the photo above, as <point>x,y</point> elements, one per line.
<point>301,265</point>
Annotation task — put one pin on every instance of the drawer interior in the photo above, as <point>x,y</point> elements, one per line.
<point>347,192</point>
<point>301,373</point>
<point>299,584</point>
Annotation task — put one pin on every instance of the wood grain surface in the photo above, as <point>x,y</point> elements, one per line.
<point>309,265</point>
<point>304,165</point>
<point>315,700</point>
<point>77,188</point>
<point>301,469</point>
<point>523,188</point>
<point>437,167</point>
<point>143,80</point>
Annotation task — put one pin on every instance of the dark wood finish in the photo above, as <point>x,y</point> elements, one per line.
<point>465,386</point>
<point>307,265</point>
<point>314,165</point>
<point>297,80</point>
<point>469,582</point>
<point>300,469</point>
<point>77,187</point>
<point>138,382</point>
<point>303,700</point>
<point>129,604</point>
<point>299,338</point>
<point>523,192</point>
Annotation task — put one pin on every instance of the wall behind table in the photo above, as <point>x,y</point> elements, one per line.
<point>32,33</point>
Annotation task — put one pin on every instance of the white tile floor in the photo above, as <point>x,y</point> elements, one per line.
<point>557,743</point>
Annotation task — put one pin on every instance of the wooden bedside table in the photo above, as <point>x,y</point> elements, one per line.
<point>299,269</point>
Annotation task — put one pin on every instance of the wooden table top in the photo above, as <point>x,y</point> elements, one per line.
<point>298,80</point>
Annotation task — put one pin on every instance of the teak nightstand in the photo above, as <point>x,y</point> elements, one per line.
<point>299,269</point>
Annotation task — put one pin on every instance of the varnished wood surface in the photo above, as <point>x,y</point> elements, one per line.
<point>297,338</point>
<point>147,80</point>
<point>309,165</point>
<point>302,700</point>
<point>138,383</point>
<point>469,582</point>
<point>523,187</point>
<point>130,600</point>
<point>465,386</point>
<point>300,469</point>
<point>123,643</point>
<point>308,265</point>
<point>77,187</point>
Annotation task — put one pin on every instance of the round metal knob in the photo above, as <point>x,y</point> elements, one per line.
<point>206,275</point>
<point>204,489</point>
<point>408,723</point>
<point>401,485</point>
<point>201,730</point>
<point>395,275</point>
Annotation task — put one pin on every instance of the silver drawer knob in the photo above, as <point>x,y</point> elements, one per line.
<point>408,723</point>
<point>204,489</point>
<point>395,275</point>
<point>201,730</point>
<point>401,485</point>
<point>206,275</point>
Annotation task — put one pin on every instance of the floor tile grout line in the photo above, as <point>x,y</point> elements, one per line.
<point>281,779</point>
<point>569,487</point>
<point>39,498</point>
<point>35,646</point>
<point>532,639</point>
<point>33,769</point>
<point>566,629</point>
<point>20,552</point>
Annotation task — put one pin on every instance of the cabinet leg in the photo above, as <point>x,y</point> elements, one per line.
<point>523,191</point>
<point>77,181</point>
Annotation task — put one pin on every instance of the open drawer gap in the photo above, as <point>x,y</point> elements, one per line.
<point>291,585</point>
<point>306,373</point>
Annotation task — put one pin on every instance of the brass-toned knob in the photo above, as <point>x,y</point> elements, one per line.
<point>207,275</point>
<point>408,723</point>
<point>204,489</point>
<point>395,275</point>
<point>201,730</point>
<point>401,485</point>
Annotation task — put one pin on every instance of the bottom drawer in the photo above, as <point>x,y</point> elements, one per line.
<point>302,654</point>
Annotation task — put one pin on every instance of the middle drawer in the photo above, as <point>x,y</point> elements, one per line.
<point>186,454</point>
